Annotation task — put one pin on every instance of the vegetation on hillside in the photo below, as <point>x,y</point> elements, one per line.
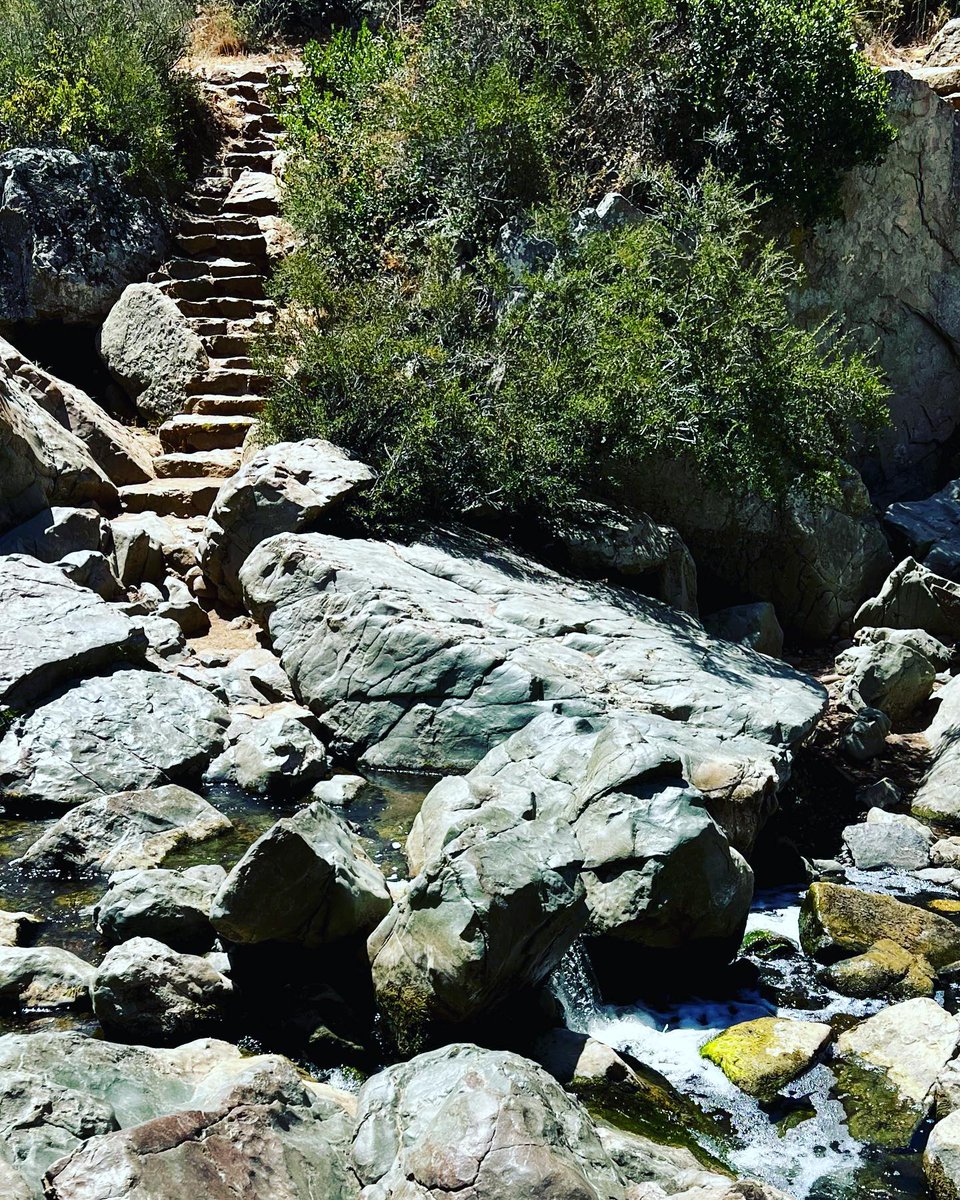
<point>80,73</point>
<point>462,319</point>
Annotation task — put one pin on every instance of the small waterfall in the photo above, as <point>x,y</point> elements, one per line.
<point>574,986</point>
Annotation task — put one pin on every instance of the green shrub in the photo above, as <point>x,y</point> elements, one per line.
<point>77,73</point>
<point>474,397</point>
<point>772,91</point>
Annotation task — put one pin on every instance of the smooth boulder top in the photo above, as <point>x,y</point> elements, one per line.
<point>429,655</point>
<point>938,797</point>
<point>111,733</point>
<point>52,630</point>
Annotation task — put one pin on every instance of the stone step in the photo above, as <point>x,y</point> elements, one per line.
<point>190,225</point>
<point>238,247</point>
<point>196,431</point>
<point>269,123</point>
<point>220,346</point>
<point>226,383</point>
<point>225,405</point>
<point>209,464</point>
<point>209,268</point>
<point>239,362</point>
<point>226,306</point>
<point>247,89</point>
<point>260,163</point>
<point>174,497</point>
<point>205,287</point>
<point>254,108</point>
<point>206,205</point>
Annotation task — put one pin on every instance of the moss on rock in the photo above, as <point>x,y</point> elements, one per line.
<point>764,1055</point>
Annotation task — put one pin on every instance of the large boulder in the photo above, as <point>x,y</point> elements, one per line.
<point>886,266</point>
<point>171,906</point>
<point>56,532</point>
<point>52,630</point>
<point>478,1122</point>
<point>284,1153</point>
<point>284,488</point>
<point>938,797</point>
<point>930,529</point>
<point>41,463</point>
<point>151,350</point>
<point>887,1068</point>
<point>489,918</point>
<point>889,840</point>
<point>111,733</point>
<point>306,881</point>
<point>762,1056</point>
<point>941,1157</point>
<point>272,750</point>
<point>888,672</point>
<point>42,977</point>
<point>145,992</point>
<point>914,598</point>
<point>427,656</point>
<point>125,831</point>
<point>753,625</point>
<point>124,454</point>
<point>816,562</point>
<point>71,236</point>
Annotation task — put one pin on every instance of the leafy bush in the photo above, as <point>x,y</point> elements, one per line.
<point>76,73</point>
<point>771,90</point>
<point>472,395</point>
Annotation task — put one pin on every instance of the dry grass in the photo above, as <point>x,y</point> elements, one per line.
<point>218,32</point>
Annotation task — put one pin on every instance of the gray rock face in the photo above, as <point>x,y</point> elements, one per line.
<point>753,625</point>
<point>888,672</point>
<point>56,532</point>
<point>171,906</point>
<point>889,840</point>
<point>282,489</point>
<point>43,977</point>
<point>816,563</point>
<point>111,733</point>
<point>72,237</point>
<point>429,655</point>
<point>250,1150</point>
<point>126,831</point>
<point>938,798</point>
<point>91,569</point>
<point>462,1119</point>
<point>914,598</point>
<point>151,350</point>
<point>491,916</point>
<point>124,454</point>
<point>941,1158</point>
<point>307,880</point>
<point>58,1089</point>
<point>41,463</point>
<point>277,752</point>
<point>52,630</point>
<point>887,269</point>
<point>931,529</point>
<point>146,992</point>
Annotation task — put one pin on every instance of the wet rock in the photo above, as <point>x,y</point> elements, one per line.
<point>151,350</point>
<point>459,1110</point>
<point>753,625</point>
<point>914,598</point>
<point>428,655</point>
<point>938,798</point>
<point>889,840</point>
<point>277,752</point>
<point>888,1066</point>
<point>889,673</point>
<point>672,1170</point>
<point>171,906</point>
<point>941,1159</point>
<point>52,630</point>
<point>307,880</point>
<point>72,238</point>
<point>866,736</point>
<point>490,917</point>
<point>762,1056</point>
<point>43,977</point>
<point>340,791</point>
<point>835,920</point>
<point>281,489</point>
<point>254,1150</point>
<point>119,732</point>
<point>886,970</point>
<point>125,831</point>
<point>605,541</point>
<point>41,463</point>
<point>146,992</point>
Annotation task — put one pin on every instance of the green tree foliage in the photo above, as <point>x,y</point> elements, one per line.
<point>79,73</point>
<point>419,153</point>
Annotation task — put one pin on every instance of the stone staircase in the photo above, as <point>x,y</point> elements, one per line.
<point>218,281</point>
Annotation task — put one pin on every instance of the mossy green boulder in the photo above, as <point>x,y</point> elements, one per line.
<point>838,921</point>
<point>886,969</point>
<point>764,1055</point>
